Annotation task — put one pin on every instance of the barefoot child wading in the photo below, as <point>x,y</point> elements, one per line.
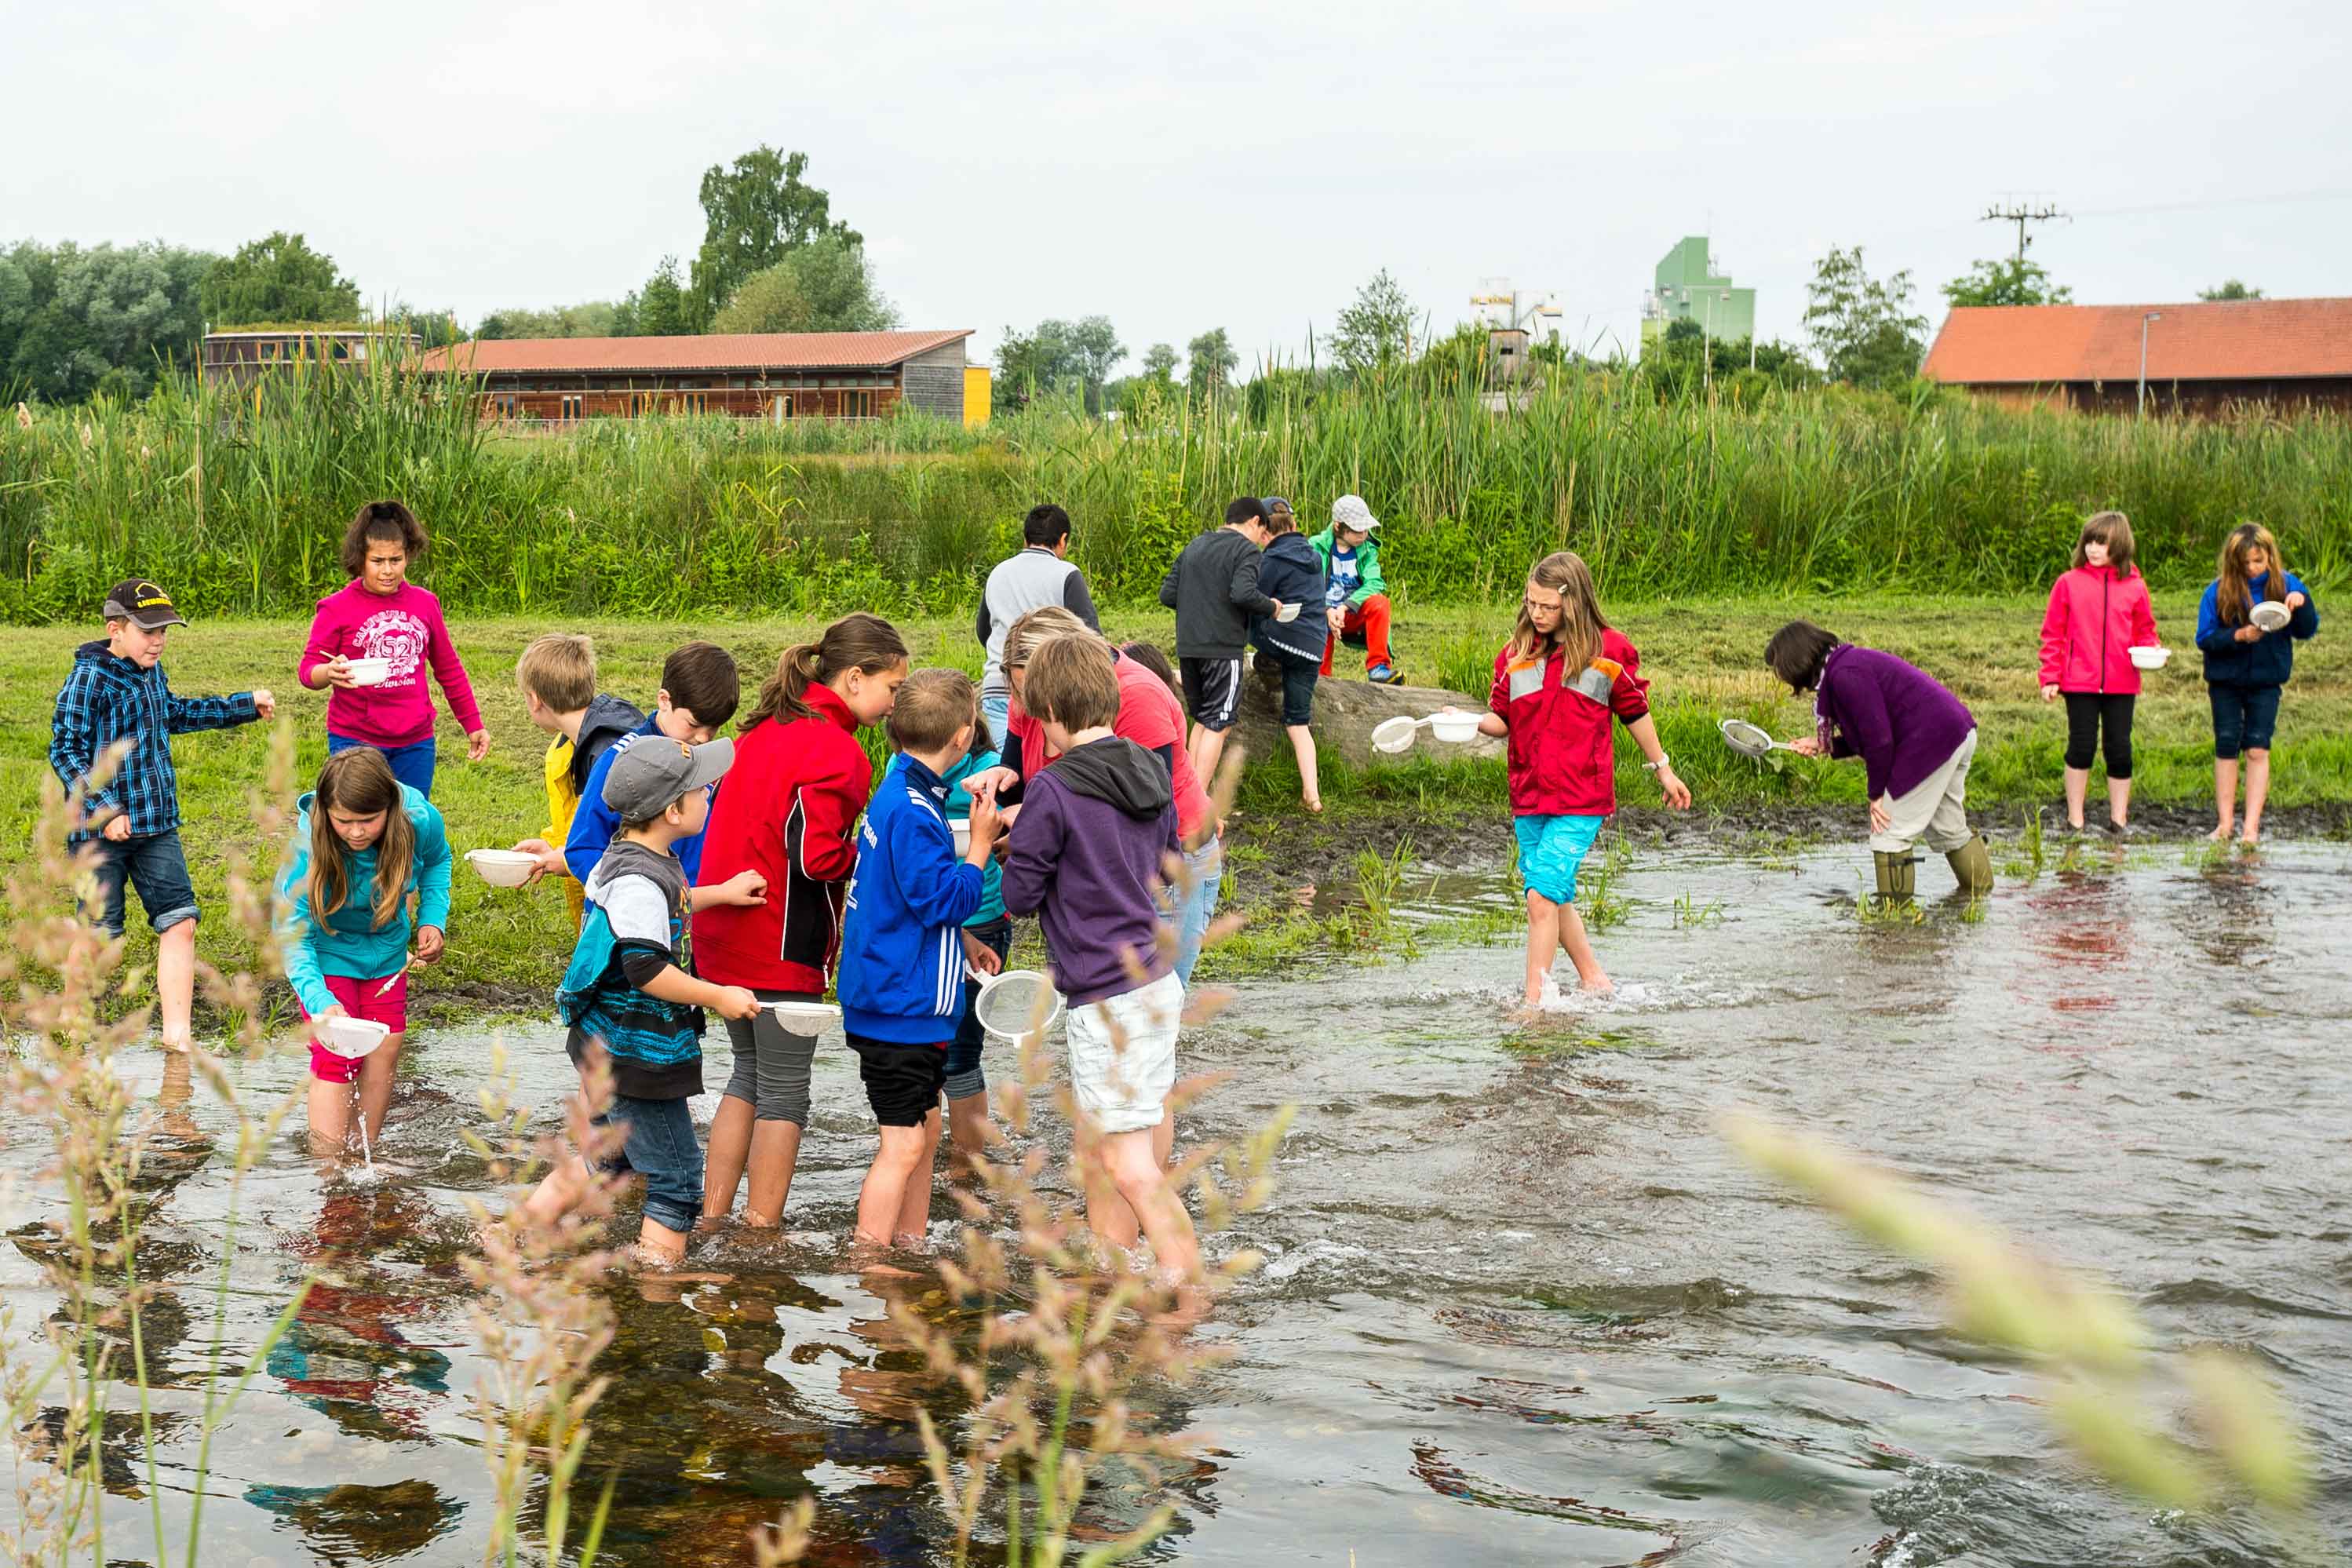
<point>2099,611</point>
<point>2246,667</point>
<point>363,842</point>
<point>1565,673</point>
<point>901,983</point>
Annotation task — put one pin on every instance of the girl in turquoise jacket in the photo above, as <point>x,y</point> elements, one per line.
<point>364,844</point>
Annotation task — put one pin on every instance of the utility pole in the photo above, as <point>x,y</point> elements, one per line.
<point>2021,213</point>
<point>2140,409</point>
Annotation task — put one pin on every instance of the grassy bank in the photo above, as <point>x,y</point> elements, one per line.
<point>1701,657</point>
<point>235,502</point>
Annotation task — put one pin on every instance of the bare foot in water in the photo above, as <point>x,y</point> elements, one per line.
<point>2222,834</point>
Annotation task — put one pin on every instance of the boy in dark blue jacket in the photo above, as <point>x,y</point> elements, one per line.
<point>901,975</point>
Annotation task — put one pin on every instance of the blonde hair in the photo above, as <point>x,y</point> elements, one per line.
<point>1580,621</point>
<point>1029,631</point>
<point>2234,598</point>
<point>360,783</point>
<point>560,669</point>
<point>2114,530</point>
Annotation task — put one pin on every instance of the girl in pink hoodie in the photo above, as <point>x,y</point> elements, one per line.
<point>381,616</point>
<point>2098,611</point>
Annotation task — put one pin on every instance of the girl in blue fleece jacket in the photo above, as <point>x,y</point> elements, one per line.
<point>2246,668</point>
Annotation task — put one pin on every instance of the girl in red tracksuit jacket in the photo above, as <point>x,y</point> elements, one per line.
<point>788,810</point>
<point>2099,611</point>
<point>1564,676</point>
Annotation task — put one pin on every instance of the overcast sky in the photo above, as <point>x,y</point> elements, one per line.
<point>1179,167</point>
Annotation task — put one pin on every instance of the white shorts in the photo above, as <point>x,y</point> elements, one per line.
<point>1123,1055</point>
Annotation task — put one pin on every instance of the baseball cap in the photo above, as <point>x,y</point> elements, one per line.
<point>1276,503</point>
<point>1349,512</point>
<point>142,604</point>
<point>650,773</point>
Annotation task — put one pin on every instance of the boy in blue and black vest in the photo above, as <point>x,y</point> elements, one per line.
<point>902,960</point>
<point>631,991</point>
<point>116,692</point>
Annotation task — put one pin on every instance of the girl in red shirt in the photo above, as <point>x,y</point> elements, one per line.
<point>788,810</point>
<point>2099,611</point>
<point>1564,675</point>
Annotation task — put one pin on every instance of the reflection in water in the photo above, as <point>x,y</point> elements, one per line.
<point>1520,1304</point>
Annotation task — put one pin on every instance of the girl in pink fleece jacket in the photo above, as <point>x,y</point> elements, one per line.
<point>381,616</point>
<point>2099,611</point>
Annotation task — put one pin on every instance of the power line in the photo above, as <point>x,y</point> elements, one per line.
<point>2219,202</point>
<point>2021,213</point>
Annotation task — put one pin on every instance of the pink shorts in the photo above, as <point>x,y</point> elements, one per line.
<point>359,1001</point>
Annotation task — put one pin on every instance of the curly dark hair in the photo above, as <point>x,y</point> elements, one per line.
<point>384,520</point>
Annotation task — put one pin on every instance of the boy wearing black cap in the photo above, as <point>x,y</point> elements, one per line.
<point>631,991</point>
<point>116,693</point>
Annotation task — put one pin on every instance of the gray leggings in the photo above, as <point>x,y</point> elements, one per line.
<point>771,1066</point>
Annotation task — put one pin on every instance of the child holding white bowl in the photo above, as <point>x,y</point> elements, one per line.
<point>363,842</point>
<point>371,644</point>
<point>2099,612</point>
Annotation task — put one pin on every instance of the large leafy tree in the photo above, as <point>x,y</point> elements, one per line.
<point>754,212</point>
<point>278,278</point>
<point>1376,329</point>
<point>1864,330</point>
<point>825,286</point>
<point>589,319</point>
<point>656,310</point>
<point>1212,361</point>
<point>1160,361</point>
<point>2232,289</point>
<point>2011,280</point>
<point>1058,354</point>
<point>76,322</point>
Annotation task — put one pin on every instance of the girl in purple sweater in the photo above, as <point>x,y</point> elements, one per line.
<point>371,644</point>
<point>1916,741</point>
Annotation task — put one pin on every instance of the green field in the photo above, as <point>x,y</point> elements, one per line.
<point>1701,657</point>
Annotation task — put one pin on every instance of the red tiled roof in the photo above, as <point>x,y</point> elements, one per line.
<point>2217,339</point>
<point>715,351</point>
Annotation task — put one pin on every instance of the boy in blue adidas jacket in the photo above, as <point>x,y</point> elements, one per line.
<point>901,975</point>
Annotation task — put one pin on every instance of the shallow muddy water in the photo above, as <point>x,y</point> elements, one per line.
<point>1522,1303</point>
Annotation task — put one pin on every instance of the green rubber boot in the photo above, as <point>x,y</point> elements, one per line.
<point>1899,875</point>
<point>1972,865</point>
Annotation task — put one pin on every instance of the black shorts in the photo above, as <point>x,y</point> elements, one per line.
<point>902,1083</point>
<point>1213,690</point>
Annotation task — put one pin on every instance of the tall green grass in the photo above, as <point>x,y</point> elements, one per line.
<point>236,500</point>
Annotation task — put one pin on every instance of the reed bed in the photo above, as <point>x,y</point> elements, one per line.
<point>236,499</point>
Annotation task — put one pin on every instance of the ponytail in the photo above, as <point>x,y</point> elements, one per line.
<point>857,641</point>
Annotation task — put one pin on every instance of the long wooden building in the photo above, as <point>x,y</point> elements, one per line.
<point>752,375</point>
<point>2199,358</point>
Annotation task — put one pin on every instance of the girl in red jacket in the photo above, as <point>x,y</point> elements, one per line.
<point>2099,612</point>
<point>1564,675</point>
<point>789,811</point>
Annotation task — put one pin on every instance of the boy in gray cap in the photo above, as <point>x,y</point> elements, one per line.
<point>631,991</point>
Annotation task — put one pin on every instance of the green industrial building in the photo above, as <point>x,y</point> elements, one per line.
<point>1689,289</point>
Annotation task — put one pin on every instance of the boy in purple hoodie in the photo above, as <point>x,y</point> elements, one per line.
<point>1916,741</point>
<point>1095,828</point>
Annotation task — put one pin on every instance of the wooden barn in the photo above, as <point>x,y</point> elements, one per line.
<point>755,376</point>
<point>2200,358</point>
<point>242,354</point>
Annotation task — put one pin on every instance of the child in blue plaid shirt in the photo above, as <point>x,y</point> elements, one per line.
<point>116,692</point>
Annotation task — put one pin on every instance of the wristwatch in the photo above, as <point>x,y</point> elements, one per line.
<point>1659,764</point>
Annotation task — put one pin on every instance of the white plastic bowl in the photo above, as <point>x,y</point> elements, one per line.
<point>1288,613</point>
<point>805,1018</point>
<point>501,867</point>
<point>352,1038</point>
<point>2270,615</point>
<point>368,672</point>
<point>1453,727</point>
<point>2148,656</point>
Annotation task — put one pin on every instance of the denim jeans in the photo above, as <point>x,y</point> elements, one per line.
<point>152,863</point>
<point>1207,865</point>
<point>996,706</point>
<point>412,765</point>
<point>661,1147</point>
